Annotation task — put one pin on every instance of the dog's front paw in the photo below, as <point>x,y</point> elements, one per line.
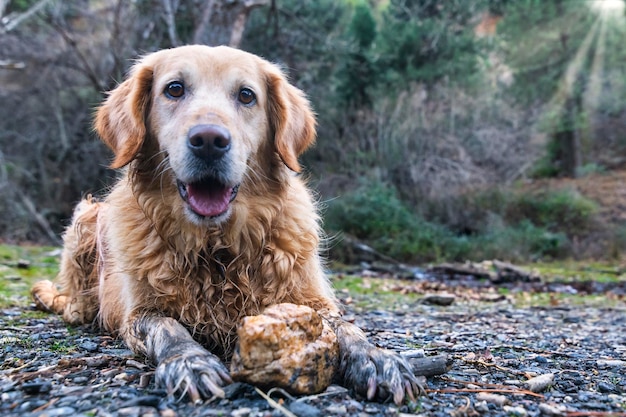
<point>379,374</point>
<point>197,374</point>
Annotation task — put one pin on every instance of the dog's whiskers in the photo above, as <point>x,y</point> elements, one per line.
<point>253,175</point>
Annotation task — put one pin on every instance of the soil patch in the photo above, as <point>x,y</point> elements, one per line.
<point>503,360</point>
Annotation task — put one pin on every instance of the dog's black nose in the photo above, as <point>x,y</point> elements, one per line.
<point>209,142</point>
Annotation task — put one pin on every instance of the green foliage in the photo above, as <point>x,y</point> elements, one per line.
<point>375,214</point>
<point>540,38</point>
<point>15,281</point>
<point>560,210</point>
<point>423,42</point>
<point>520,242</point>
<point>358,75</point>
<point>20,5</point>
<point>555,49</point>
<point>362,26</point>
<point>495,224</point>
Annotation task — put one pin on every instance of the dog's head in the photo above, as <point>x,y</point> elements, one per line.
<point>207,117</point>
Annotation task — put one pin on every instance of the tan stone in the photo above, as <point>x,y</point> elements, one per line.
<point>288,346</point>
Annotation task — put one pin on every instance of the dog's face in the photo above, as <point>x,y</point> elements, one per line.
<point>212,115</point>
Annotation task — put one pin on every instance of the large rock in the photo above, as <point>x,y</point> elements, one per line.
<point>288,346</point>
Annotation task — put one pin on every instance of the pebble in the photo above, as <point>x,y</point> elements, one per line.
<point>81,380</point>
<point>354,406</point>
<point>242,412</point>
<point>57,412</point>
<point>302,409</point>
<point>137,411</point>
<point>168,412</point>
<point>337,410</point>
<point>440,299</point>
<point>89,346</point>
<point>537,339</point>
<point>613,363</point>
<point>36,387</point>
<point>492,398</point>
<point>481,406</point>
<point>414,353</point>
<point>556,410</point>
<point>31,405</point>
<point>515,411</point>
<point>606,387</point>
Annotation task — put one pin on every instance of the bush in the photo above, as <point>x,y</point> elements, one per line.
<point>493,224</point>
<point>374,213</point>
<point>521,242</point>
<point>557,210</point>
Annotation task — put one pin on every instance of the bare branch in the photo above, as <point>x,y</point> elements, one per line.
<point>11,64</point>
<point>239,24</point>
<point>3,7</point>
<point>39,218</point>
<point>207,13</point>
<point>87,68</point>
<point>117,37</point>
<point>9,23</point>
<point>170,20</point>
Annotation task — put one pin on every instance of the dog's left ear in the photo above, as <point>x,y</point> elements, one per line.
<point>120,121</point>
<point>291,118</point>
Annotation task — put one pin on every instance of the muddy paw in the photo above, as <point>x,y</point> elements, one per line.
<point>198,375</point>
<point>379,374</point>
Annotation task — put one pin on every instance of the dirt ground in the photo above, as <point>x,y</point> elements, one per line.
<point>520,348</point>
<point>504,358</point>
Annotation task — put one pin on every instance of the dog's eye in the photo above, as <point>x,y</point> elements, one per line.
<point>246,96</point>
<point>175,89</point>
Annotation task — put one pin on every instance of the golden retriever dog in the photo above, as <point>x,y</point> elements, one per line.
<point>208,223</point>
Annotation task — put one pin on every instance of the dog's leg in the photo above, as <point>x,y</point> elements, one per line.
<point>76,301</point>
<point>183,366</point>
<point>374,373</point>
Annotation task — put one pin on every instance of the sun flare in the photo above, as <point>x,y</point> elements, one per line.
<point>608,6</point>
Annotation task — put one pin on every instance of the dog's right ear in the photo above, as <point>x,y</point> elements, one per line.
<point>121,120</point>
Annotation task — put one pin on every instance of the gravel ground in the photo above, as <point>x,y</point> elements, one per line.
<point>503,361</point>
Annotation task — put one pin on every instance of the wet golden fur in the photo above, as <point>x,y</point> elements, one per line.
<point>141,258</point>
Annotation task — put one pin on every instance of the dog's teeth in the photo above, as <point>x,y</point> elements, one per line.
<point>234,193</point>
<point>182,190</point>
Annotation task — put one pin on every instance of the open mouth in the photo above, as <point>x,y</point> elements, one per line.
<point>207,197</point>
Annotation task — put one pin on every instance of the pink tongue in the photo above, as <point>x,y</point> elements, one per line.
<point>208,201</point>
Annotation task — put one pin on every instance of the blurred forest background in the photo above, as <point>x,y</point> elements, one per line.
<point>448,129</point>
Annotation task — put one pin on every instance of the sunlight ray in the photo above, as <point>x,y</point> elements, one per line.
<point>574,68</point>
<point>608,7</point>
<point>591,98</point>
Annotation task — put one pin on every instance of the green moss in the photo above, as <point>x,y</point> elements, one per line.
<point>579,271</point>
<point>15,281</point>
<point>374,293</point>
<point>62,347</point>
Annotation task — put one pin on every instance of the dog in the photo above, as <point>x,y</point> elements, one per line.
<point>209,222</point>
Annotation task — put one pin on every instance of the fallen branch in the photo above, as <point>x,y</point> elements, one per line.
<point>489,387</point>
<point>464,270</point>
<point>39,218</point>
<point>504,271</point>
<point>471,390</point>
<point>533,350</point>
<point>429,365</point>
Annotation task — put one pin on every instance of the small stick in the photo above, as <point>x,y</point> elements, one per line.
<point>502,391</point>
<point>274,404</point>
<point>429,365</point>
